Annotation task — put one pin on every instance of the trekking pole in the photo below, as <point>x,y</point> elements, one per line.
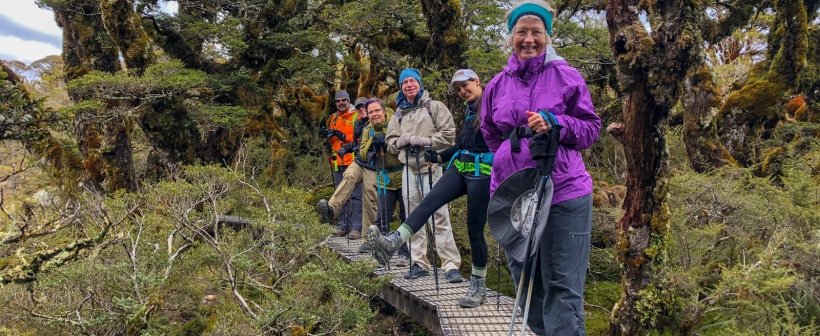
<point>407,201</point>
<point>498,275</point>
<point>527,262</point>
<point>381,191</point>
<point>431,238</point>
<point>348,212</point>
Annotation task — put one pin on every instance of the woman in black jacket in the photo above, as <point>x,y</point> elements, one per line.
<point>469,163</point>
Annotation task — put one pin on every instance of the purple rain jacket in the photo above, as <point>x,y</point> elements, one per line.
<point>546,83</point>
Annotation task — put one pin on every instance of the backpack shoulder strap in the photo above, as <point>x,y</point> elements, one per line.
<point>430,112</point>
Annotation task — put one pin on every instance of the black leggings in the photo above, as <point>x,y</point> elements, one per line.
<point>450,186</point>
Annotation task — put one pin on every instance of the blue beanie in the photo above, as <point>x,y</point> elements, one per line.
<point>530,9</point>
<point>409,72</point>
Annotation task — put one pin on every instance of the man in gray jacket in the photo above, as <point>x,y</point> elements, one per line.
<point>420,122</point>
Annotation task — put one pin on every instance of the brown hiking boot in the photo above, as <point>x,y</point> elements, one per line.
<point>339,232</point>
<point>354,235</point>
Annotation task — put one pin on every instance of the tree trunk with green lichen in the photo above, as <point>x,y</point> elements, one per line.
<point>702,98</point>
<point>749,114</point>
<point>701,102</point>
<point>103,140</point>
<point>124,26</point>
<point>447,35</point>
<point>651,68</point>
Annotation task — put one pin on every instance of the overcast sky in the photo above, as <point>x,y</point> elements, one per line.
<point>28,33</point>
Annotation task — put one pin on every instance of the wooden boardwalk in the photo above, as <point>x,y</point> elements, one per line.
<point>439,312</point>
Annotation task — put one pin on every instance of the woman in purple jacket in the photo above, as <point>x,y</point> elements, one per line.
<point>537,80</point>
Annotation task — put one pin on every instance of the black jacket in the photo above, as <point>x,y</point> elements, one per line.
<point>470,137</point>
<point>358,127</point>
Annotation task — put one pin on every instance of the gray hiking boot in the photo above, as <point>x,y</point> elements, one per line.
<point>364,248</point>
<point>402,261</point>
<point>415,272</point>
<point>453,276</point>
<point>476,295</point>
<point>383,246</point>
<point>325,211</point>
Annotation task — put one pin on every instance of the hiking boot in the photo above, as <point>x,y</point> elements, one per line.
<point>415,272</point>
<point>339,232</point>
<point>364,248</point>
<point>383,247</point>
<point>354,235</point>
<point>476,295</point>
<point>453,276</point>
<point>402,261</point>
<point>325,211</point>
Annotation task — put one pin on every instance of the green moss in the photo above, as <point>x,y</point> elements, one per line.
<point>761,99</point>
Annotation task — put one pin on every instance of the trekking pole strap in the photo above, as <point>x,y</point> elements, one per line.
<point>515,134</point>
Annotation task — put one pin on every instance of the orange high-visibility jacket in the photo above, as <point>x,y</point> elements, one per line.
<point>343,122</point>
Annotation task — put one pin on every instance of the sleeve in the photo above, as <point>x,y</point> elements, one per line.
<point>447,154</point>
<point>445,127</point>
<point>393,130</point>
<point>364,145</point>
<point>492,135</point>
<point>580,123</point>
<point>349,146</point>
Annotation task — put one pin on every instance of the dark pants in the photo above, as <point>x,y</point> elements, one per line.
<point>557,303</point>
<point>350,216</point>
<point>450,186</point>
<point>387,205</point>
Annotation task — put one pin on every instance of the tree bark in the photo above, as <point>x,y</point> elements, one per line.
<point>748,115</point>
<point>701,102</point>
<point>651,69</point>
<point>104,141</point>
<point>447,35</point>
<point>124,27</point>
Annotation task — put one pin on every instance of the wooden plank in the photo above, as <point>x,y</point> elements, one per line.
<point>437,310</point>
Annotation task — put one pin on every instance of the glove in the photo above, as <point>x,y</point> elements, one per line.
<point>339,135</point>
<point>418,141</point>
<point>404,140</point>
<point>378,142</point>
<point>538,146</point>
<point>432,156</point>
<point>325,133</point>
<point>341,152</point>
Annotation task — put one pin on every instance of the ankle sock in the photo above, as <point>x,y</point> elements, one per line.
<point>480,272</point>
<point>405,232</point>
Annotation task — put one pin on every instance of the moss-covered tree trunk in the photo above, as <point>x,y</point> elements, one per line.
<point>702,98</point>
<point>651,69</point>
<point>124,26</point>
<point>103,140</point>
<point>447,35</point>
<point>747,115</point>
<point>701,102</point>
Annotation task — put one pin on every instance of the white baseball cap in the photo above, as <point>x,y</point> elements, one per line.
<point>463,75</point>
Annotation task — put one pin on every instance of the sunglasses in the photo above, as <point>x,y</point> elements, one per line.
<point>341,100</point>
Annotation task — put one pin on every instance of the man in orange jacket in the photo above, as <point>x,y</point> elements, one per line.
<point>340,126</point>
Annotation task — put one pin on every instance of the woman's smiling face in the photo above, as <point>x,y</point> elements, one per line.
<point>529,37</point>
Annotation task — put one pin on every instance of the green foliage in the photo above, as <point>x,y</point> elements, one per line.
<point>742,253</point>
<point>158,81</point>
<point>165,268</point>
